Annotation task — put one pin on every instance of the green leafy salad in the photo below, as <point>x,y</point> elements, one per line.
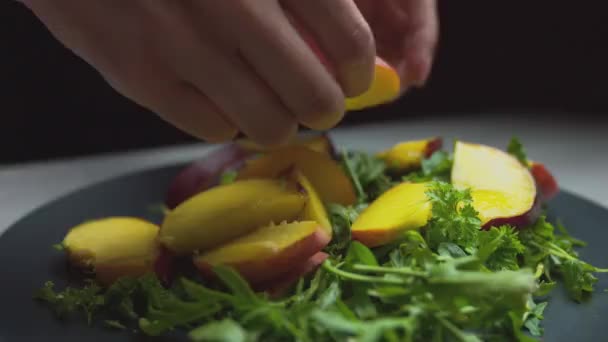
<point>460,272</point>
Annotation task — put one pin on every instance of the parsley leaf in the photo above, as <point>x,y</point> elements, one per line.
<point>517,150</point>
<point>556,254</point>
<point>500,248</point>
<point>87,299</point>
<point>453,217</point>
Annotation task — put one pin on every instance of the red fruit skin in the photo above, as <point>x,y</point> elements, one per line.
<point>205,173</point>
<point>519,221</point>
<point>547,185</point>
<point>433,146</point>
<point>164,266</point>
<point>280,286</point>
<point>260,272</point>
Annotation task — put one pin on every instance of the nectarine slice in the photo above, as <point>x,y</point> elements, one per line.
<point>320,143</point>
<point>502,188</point>
<point>314,210</point>
<point>385,87</point>
<point>204,173</point>
<point>403,207</point>
<point>226,212</point>
<point>324,173</point>
<point>409,154</point>
<point>268,252</point>
<point>279,286</point>
<point>113,247</point>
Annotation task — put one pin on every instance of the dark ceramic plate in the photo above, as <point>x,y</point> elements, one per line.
<point>27,261</point>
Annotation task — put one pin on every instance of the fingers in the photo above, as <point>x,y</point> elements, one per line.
<point>272,47</point>
<point>344,36</point>
<point>189,110</point>
<point>243,98</point>
<point>178,103</point>
<point>421,39</point>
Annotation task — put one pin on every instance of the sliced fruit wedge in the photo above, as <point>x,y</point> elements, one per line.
<point>320,143</point>
<point>385,88</point>
<point>324,173</point>
<point>113,247</point>
<point>401,208</point>
<point>314,210</point>
<point>408,155</point>
<point>503,190</point>
<point>226,212</point>
<point>278,287</point>
<point>205,173</point>
<point>267,253</point>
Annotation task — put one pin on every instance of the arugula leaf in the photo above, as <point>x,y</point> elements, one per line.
<point>226,330</point>
<point>453,217</point>
<point>341,219</point>
<point>360,254</point>
<point>517,150</point>
<point>534,318</point>
<point>368,174</point>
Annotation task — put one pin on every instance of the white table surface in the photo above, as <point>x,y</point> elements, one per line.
<point>574,151</point>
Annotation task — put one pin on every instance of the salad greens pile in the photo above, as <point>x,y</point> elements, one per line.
<point>449,281</point>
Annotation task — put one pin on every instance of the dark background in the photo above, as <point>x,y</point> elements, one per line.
<point>543,57</point>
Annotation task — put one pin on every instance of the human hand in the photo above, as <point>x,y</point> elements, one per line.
<point>406,35</point>
<point>213,68</point>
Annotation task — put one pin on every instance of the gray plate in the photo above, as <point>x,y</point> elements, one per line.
<point>28,260</point>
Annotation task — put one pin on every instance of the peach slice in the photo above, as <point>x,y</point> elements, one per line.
<point>385,87</point>
<point>403,207</point>
<point>320,143</point>
<point>325,174</point>
<point>547,185</point>
<point>276,288</point>
<point>113,247</point>
<point>314,210</point>
<point>409,154</point>
<point>268,252</point>
<point>226,212</point>
<point>503,190</point>
<point>204,173</point>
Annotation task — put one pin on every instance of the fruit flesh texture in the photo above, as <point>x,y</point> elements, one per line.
<point>267,253</point>
<point>385,88</point>
<point>409,154</point>
<point>325,174</point>
<point>226,212</point>
<point>113,247</point>
<point>501,187</point>
<point>385,85</point>
<point>401,208</point>
<point>314,210</point>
